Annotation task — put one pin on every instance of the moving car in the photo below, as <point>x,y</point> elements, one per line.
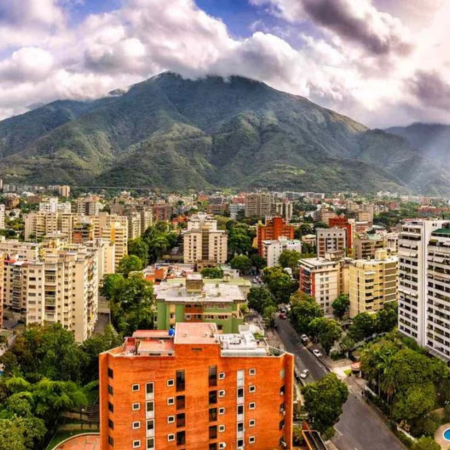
<point>304,373</point>
<point>317,353</point>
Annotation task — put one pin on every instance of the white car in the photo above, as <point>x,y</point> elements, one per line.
<point>304,373</point>
<point>317,353</point>
<point>304,338</point>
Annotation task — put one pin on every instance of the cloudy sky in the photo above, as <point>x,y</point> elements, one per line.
<point>382,62</point>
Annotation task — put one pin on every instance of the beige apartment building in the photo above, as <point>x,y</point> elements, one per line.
<point>258,205</point>
<point>365,247</point>
<point>89,206</point>
<point>324,279</point>
<point>204,242</point>
<point>19,250</point>
<point>2,258</point>
<point>134,225</point>
<point>40,224</point>
<point>331,240</point>
<point>2,217</point>
<point>372,283</point>
<point>116,233</point>
<point>63,288</point>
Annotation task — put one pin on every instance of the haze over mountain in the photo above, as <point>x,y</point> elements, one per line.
<point>173,133</point>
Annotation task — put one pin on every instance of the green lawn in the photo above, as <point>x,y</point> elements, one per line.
<point>64,434</point>
<point>348,372</point>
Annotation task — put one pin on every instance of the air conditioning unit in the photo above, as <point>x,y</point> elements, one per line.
<point>283,444</point>
<point>222,445</point>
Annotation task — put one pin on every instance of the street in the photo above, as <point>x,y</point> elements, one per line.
<point>360,427</point>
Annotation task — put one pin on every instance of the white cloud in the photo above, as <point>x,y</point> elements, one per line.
<point>364,71</point>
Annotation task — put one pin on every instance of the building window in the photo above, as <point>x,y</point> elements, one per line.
<point>213,446</point>
<point>252,389</point>
<point>135,387</point>
<point>181,437</point>
<point>240,392</point>
<point>110,441</point>
<point>170,401</point>
<point>251,440</point>
<point>150,444</point>
<point>213,432</point>
<point>136,406</point>
<point>150,406</point>
<point>252,405</point>
<point>150,425</point>
<point>181,402</point>
<point>149,388</point>
<point>240,426</point>
<point>170,437</point>
<point>282,389</point>
<point>212,397</point>
<point>136,425</point>
<point>110,373</point>
<point>283,372</point>
<point>221,375</point>
<point>221,393</point>
<point>212,376</point>
<point>110,407</point>
<point>252,371</point>
<point>221,428</point>
<point>221,411</point>
<point>213,414</point>
<point>181,420</point>
<point>240,443</point>
<point>170,419</point>
<point>251,422</point>
<point>240,409</point>
<point>170,382</point>
<point>111,424</point>
<point>180,380</point>
<point>110,390</point>
<point>281,424</point>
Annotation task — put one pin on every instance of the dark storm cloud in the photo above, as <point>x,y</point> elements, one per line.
<point>378,33</point>
<point>431,89</point>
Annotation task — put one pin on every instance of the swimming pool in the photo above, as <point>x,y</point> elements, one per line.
<point>447,434</point>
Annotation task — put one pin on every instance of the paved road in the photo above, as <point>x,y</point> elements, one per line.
<point>360,428</point>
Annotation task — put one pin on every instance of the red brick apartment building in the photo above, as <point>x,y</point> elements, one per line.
<point>196,390</point>
<point>342,222</point>
<point>272,230</point>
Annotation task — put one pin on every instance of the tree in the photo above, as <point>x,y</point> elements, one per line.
<point>386,319</point>
<point>347,343</point>
<point>279,283</point>
<point>269,315</point>
<point>323,401</point>
<point>326,331</point>
<point>260,298</point>
<point>111,283</point>
<point>241,263</point>
<point>129,263</point>
<point>257,261</point>
<point>19,433</point>
<point>289,258</point>
<point>159,239</point>
<point>138,247</point>
<point>416,402</point>
<point>131,308</point>
<point>426,443</point>
<point>304,309</point>
<point>212,272</point>
<point>362,327</point>
<point>341,306</point>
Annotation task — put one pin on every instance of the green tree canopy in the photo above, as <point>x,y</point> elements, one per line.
<point>111,283</point>
<point>362,327</point>
<point>138,247</point>
<point>304,309</point>
<point>241,263</point>
<point>129,263</point>
<point>386,319</point>
<point>279,283</point>
<point>289,258</point>
<point>426,443</point>
<point>323,401</point>
<point>326,331</point>
<point>341,306</point>
<point>212,272</point>
<point>260,298</point>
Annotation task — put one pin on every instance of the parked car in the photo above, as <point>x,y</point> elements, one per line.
<point>304,338</point>
<point>304,373</point>
<point>317,353</point>
<point>282,315</point>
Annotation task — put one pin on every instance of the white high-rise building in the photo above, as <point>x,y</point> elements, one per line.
<point>52,206</point>
<point>273,249</point>
<point>412,287</point>
<point>2,217</point>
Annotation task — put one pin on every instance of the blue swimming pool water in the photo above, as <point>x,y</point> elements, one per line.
<point>447,434</point>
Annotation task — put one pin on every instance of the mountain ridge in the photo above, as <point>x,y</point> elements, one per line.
<point>209,133</point>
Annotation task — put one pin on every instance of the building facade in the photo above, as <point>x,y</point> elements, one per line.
<point>273,249</point>
<point>202,241</point>
<point>197,301</point>
<point>196,389</point>
<point>2,217</point>
<point>258,204</point>
<point>272,230</point>
<point>372,283</point>
<point>331,240</point>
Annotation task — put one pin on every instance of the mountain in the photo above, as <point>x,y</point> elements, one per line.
<point>431,140</point>
<point>173,133</point>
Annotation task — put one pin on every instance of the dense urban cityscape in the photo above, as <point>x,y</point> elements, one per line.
<point>265,319</point>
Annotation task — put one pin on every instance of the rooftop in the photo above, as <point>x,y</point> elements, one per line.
<point>441,232</point>
<point>195,333</point>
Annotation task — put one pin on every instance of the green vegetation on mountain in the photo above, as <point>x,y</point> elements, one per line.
<point>173,133</point>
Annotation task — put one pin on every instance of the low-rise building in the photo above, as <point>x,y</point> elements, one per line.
<point>196,389</point>
<point>273,249</point>
<point>195,300</point>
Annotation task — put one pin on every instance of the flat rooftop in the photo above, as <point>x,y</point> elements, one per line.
<point>211,293</point>
<point>196,333</point>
